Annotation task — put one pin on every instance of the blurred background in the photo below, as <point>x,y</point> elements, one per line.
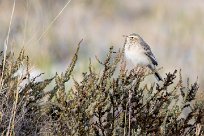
<point>173,29</point>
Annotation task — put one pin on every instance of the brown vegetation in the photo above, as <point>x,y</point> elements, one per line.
<point>111,103</point>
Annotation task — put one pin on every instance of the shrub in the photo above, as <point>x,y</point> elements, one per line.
<point>115,102</point>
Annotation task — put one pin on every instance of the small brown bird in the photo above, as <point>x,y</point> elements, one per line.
<point>140,54</point>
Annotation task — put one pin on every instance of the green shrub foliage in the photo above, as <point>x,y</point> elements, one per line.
<point>114,102</point>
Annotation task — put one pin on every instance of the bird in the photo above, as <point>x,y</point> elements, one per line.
<point>139,53</point>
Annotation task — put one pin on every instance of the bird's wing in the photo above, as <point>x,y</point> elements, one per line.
<point>149,53</point>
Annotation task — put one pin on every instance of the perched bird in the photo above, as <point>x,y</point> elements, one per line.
<point>140,54</point>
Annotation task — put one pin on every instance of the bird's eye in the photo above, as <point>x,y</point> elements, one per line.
<point>131,38</point>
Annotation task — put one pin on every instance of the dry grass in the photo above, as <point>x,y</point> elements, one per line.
<point>174,33</point>
<point>110,103</point>
<point>114,100</point>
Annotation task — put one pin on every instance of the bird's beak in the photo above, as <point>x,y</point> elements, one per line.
<point>125,36</point>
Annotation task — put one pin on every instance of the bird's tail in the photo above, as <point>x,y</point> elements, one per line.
<point>158,77</point>
<point>156,74</point>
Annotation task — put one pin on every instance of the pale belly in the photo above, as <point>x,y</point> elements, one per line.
<point>137,57</point>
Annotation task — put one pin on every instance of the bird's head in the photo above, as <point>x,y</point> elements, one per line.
<point>133,39</point>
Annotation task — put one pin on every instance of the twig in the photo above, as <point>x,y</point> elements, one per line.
<point>50,25</point>
<point>130,112</point>
<point>6,44</point>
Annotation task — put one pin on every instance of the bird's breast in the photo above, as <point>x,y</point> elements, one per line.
<point>137,56</point>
